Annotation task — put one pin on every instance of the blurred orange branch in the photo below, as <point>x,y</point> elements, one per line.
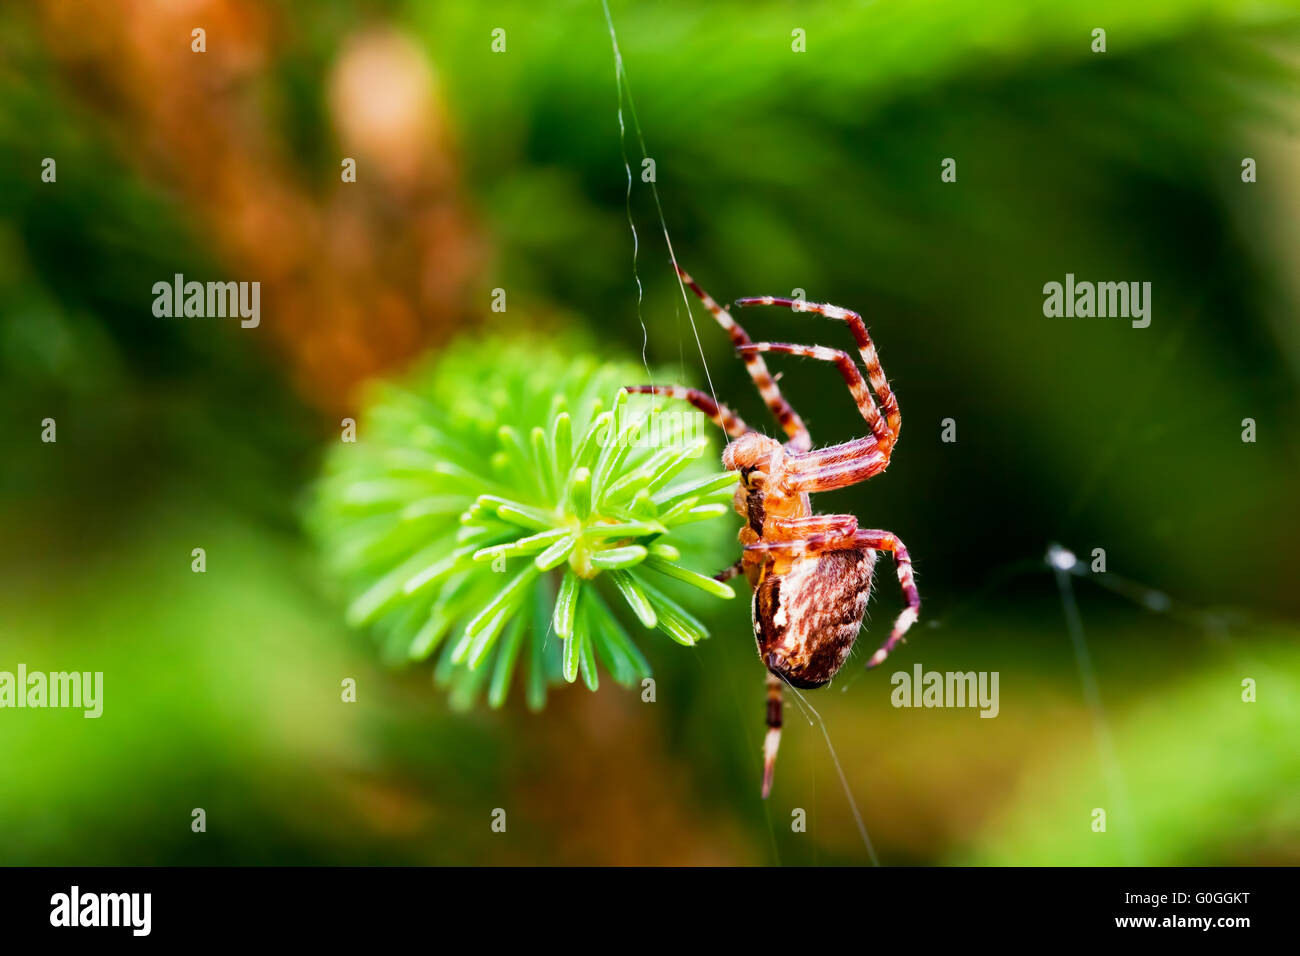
<point>356,277</point>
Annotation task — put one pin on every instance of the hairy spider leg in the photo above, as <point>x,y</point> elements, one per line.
<point>719,414</point>
<point>772,742</point>
<point>888,541</point>
<point>837,466</point>
<point>852,377</point>
<point>866,348</point>
<point>791,423</point>
<point>796,536</point>
<point>803,547</point>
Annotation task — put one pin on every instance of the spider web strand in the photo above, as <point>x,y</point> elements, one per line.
<point>625,91</point>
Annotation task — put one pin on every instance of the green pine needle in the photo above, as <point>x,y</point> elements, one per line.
<point>515,513</point>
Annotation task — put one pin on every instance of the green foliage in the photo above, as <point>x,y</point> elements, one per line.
<point>495,513</point>
<point>1203,774</point>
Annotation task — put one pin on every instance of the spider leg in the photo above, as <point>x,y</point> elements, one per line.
<point>852,377</point>
<point>887,541</point>
<point>772,742</point>
<point>808,544</point>
<point>866,348</point>
<point>726,574</point>
<point>837,466</point>
<point>717,413</point>
<point>776,529</point>
<point>791,423</point>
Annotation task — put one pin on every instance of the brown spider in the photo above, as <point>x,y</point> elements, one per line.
<point>810,573</point>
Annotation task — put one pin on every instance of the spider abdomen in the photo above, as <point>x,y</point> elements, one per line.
<point>807,617</point>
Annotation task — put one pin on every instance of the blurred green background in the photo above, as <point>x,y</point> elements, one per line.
<point>777,170</point>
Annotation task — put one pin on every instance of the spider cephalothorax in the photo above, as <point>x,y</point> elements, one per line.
<point>810,573</point>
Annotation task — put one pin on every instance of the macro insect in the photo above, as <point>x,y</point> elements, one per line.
<point>810,573</point>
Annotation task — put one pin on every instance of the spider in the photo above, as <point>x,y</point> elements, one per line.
<point>810,573</point>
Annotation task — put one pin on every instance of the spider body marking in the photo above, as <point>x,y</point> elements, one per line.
<point>810,573</point>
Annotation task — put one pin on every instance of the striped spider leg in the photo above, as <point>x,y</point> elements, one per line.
<point>810,573</point>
